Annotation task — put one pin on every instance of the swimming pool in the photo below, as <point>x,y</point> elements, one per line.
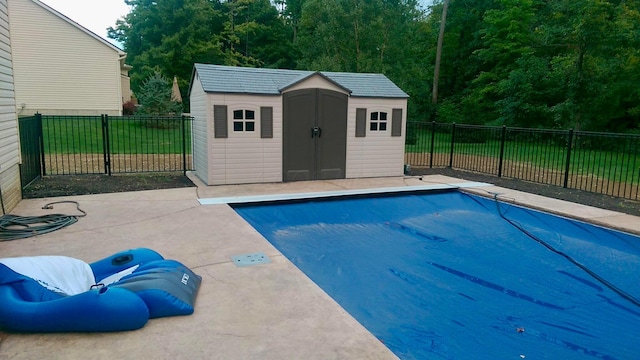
<point>448,275</point>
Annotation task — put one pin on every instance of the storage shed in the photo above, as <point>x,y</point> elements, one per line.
<point>271,125</point>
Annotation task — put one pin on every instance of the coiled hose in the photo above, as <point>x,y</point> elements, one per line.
<point>14,227</point>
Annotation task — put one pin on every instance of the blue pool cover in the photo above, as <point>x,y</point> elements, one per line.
<point>455,276</point>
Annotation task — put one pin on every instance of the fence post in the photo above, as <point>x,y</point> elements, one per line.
<point>184,146</point>
<point>502,140</point>
<point>453,141</point>
<point>433,139</point>
<point>43,168</point>
<point>106,150</point>
<point>566,168</point>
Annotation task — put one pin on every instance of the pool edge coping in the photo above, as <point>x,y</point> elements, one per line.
<point>337,193</point>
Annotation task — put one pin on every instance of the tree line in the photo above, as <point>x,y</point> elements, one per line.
<point>529,63</point>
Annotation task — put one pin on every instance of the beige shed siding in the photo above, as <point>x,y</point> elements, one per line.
<point>59,68</point>
<point>245,158</point>
<point>9,141</point>
<point>378,154</point>
<point>199,106</point>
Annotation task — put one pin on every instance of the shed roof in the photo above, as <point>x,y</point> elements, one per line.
<point>242,80</point>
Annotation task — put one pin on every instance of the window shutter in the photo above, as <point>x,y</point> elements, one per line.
<point>266,122</point>
<point>396,122</point>
<point>220,121</point>
<point>361,122</point>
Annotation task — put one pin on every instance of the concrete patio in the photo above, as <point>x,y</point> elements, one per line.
<point>270,311</point>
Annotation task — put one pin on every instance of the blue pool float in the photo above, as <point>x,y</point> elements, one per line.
<point>120,292</point>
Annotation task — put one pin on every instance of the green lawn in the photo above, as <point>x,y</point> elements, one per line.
<point>539,149</point>
<point>84,134</point>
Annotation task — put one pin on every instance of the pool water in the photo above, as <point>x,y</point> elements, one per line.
<point>454,276</point>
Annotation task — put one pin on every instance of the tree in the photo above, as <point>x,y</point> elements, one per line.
<point>254,35</point>
<point>436,72</point>
<point>589,43</point>
<point>528,94</point>
<point>291,12</point>
<point>507,35</point>
<point>172,35</point>
<point>155,96</point>
<point>563,63</point>
<point>459,65</point>
<point>376,36</point>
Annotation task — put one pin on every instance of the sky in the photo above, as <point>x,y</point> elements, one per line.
<point>95,15</point>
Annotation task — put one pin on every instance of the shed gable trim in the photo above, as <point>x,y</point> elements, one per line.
<point>313,74</point>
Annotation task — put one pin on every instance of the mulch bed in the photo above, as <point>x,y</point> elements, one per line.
<point>64,185</point>
<point>577,196</point>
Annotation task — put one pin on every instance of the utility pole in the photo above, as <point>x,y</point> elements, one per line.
<point>436,71</point>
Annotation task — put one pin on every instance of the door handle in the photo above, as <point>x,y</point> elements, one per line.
<point>316,131</point>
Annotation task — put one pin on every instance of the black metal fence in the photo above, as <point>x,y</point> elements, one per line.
<point>30,145</point>
<point>605,163</point>
<point>72,145</point>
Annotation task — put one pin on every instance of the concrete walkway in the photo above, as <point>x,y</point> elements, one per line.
<point>270,311</point>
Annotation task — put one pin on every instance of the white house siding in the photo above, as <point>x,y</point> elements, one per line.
<point>125,85</point>
<point>125,81</point>
<point>60,68</point>
<point>245,158</point>
<point>378,154</point>
<point>201,130</point>
<point>9,141</point>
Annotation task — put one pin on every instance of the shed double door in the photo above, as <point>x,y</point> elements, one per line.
<point>314,135</point>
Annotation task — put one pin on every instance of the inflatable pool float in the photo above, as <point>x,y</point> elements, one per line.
<point>120,292</point>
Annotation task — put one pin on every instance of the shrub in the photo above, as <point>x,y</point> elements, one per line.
<point>129,108</point>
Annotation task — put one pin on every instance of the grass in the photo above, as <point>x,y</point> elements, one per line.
<point>618,158</point>
<point>84,134</point>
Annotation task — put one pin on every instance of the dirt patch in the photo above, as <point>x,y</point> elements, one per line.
<point>65,185</point>
<point>527,171</point>
<point>71,164</point>
<point>130,172</point>
<point>50,186</point>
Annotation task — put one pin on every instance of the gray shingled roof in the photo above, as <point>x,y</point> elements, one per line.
<point>241,80</point>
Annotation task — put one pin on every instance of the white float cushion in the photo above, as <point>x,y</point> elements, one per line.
<point>61,274</point>
<point>119,275</point>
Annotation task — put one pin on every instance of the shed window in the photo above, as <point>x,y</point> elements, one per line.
<point>378,121</point>
<point>244,120</point>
